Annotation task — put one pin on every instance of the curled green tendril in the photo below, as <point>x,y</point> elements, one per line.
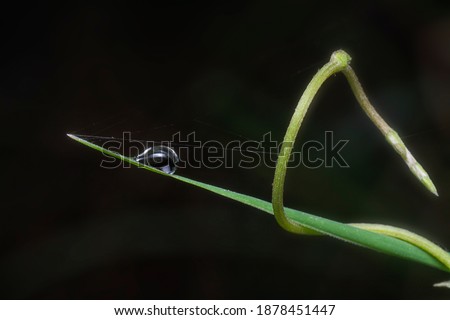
<point>339,62</point>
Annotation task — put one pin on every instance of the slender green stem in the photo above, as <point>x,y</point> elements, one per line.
<point>408,236</point>
<point>445,284</point>
<point>340,62</point>
<point>391,136</point>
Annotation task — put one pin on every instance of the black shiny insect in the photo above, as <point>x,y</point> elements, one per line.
<point>162,158</point>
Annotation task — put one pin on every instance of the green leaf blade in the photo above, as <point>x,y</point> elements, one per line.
<point>367,239</point>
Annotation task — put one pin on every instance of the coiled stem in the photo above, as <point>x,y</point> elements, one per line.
<point>340,61</point>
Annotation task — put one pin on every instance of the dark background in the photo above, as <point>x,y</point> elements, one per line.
<point>71,229</point>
